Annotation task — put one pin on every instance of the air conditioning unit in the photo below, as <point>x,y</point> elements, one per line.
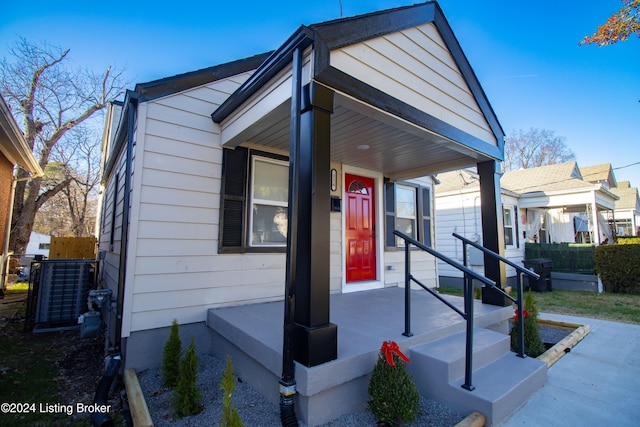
<point>62,292</point>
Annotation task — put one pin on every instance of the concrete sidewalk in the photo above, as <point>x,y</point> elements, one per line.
<point>596,384</point>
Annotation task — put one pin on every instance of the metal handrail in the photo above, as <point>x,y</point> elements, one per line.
<point>521,271</point>
<point>469,276</point>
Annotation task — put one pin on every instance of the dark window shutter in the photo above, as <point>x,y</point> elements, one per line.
<point>425,214</point>
<point>390,215</point>
<point>233,199</point>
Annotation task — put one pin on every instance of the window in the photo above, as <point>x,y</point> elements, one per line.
<point>253,201</point>
<point>408,210</point>
<point>44,246</point>
<point>508,226</point>
<point>269,197</point>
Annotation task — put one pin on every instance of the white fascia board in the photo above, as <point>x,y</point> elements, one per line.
<point>271,99</point>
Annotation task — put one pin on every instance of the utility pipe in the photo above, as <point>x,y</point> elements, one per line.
<point>103,419</point>
<point>287,384</point>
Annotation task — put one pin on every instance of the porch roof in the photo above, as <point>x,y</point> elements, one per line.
<point>407,102</point>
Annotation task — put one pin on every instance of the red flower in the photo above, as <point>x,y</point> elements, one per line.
<point>390,347</point>
<point>515,314</point>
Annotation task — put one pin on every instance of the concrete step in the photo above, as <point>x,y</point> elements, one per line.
<point>444,359</point>
<point>502,380</point>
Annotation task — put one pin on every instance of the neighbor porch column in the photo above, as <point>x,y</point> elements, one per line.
<point>315,338</point>
<point>492,229</point>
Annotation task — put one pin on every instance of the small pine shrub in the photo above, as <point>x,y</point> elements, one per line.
<point>230,417</point>
<point>393,396</point>
<point>187,395</point>
<point>533,345</point>
<point>171,357</point>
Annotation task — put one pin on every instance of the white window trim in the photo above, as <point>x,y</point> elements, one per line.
<point>414,190</point>
<point>253,200</point>
<point>512,227</point>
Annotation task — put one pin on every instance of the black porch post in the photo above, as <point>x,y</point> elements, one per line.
<point>492,229</point>
<point>315,338</point>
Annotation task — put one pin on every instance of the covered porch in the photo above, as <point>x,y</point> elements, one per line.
<point>389,95</point>
<point>252,335</point>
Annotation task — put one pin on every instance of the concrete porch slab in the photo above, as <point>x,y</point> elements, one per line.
<point>252,335</point>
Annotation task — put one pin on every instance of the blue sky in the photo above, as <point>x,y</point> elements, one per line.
<point>525,54</point>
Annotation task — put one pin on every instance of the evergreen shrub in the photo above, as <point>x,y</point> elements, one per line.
<point>171,357</point>
<point>619,267</point>
<point>187,395</point>
<point>393,396</point>
<point>230,416</point>
<point>533,345</point>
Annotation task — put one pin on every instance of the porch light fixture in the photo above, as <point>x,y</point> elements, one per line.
<point>362,147</point>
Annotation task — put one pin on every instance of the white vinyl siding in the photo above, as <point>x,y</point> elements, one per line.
<point>415,66</point>
<point>174,270</point>
<point>460,212</point>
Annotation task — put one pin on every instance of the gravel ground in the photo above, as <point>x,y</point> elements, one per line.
<point>253,409</point>
<point>552,335</point>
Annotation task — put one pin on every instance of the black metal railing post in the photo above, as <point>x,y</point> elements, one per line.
<point>519,284</point>
<point>521,271</point>
<point>468,308</point>
<point>469,276</point>
<point>407,290</point>
<point>464,254</point>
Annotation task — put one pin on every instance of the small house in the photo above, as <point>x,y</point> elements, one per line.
<point>283,177</point>
<point>458,210</point>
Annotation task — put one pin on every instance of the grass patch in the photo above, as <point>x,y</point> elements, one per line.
<point>48,368</point>
<point>28,364</point>
<point>606,306</point>
<point>16,288</point>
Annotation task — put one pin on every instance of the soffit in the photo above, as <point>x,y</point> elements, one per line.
<point>396,148</point>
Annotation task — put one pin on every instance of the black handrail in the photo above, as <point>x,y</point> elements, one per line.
<point>469,275</point>
<point>519,283</point>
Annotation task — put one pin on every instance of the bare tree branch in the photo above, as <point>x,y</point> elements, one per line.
<point>53,99</point>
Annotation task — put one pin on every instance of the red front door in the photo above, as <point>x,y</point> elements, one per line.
<point>360,228</point>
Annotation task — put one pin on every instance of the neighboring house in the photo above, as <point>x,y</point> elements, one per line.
<point>458,210</point>
<point>196,188</point>
<point>627,213</point>
<point>549,204</point>
<point>38,244</point>
<point>14,151</point>
<point>560,206</point>
<point>625,219</point>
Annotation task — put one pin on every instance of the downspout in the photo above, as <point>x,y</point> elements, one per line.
<point>103,419</point>
<point>287,383</point>
<point>124,236</point>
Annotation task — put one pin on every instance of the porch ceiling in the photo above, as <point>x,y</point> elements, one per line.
<point>397,148</point>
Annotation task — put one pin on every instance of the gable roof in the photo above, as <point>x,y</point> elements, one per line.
<point>628,197</point>
<point>331,35</point>
<point>458,180</point>
<point>602,173</point>
<point>155,89</point>
<point>557,177</point>
<point>169,85</point>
